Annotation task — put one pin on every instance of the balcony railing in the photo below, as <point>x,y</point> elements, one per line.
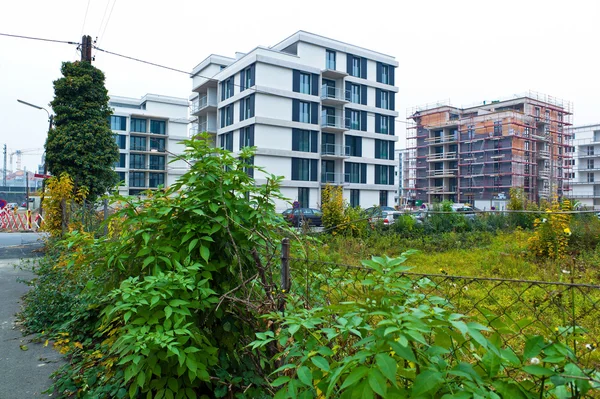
<point>333,93</point>
<point>334,122</point>
<point>334,178</point>
<point>544,154</point>
<point>544,173</point>
<point>442,139</point>
<point>337,150</point>
<point>441,155</point>
<point>203,102</point>
<point>443,172</point>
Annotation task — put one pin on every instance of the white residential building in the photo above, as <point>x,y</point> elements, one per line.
<point>586,173</point>
<point>318,110</point>
<point>148,132</point>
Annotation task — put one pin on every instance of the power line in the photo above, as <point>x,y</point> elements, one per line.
<point>107,21</point>
<point>142,61</point>
<point>85,17</point>
<point>38,38</point>
<point>102,21</point>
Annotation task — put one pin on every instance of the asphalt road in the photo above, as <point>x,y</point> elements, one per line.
<point>25,366</point>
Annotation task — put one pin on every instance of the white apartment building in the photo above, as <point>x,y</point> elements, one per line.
<point>400,173</point>
<point>319,111</point>
<point>586,161</point>
<point>148,132</point>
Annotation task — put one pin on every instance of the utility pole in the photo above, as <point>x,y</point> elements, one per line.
<point>4,170</point>
<point>86,48</point>
<point>26,188</point>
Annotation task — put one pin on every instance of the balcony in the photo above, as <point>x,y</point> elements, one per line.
<point>442,156</point>
<point>333,124</point>
<point>204,104</point>
<point>333,95</point>
<point>442,173</point>
<point>331,73</point>
<point>442,139</point>
<point>335,151</point>
<point>544,154</point>
<point>335,179</point>
<point>544,173</point>
<point>203,127</point>
<point>441,190</point>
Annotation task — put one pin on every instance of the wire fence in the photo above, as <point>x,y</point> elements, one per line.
<point>512,310</point>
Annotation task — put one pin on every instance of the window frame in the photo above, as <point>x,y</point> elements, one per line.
<point>304,83</point>
<point>302,104</point>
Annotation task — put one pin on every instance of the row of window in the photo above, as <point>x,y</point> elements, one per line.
<point>138,179</point>
<point>247,106</point>
<point>247,80</point>
<point>138,161</point>
<point>139,143</point>
<point>304,197</point>
<point>354,172</point>
<point>137,125</point>
<point>246,138</point>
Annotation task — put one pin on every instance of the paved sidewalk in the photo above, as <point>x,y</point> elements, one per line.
<point>24,374</point>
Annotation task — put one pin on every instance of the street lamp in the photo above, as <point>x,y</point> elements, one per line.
<point>168,152</point>
<point>50,120</point>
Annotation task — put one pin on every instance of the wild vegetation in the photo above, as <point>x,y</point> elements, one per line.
<point>181,299</point>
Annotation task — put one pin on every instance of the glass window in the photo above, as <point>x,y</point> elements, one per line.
<point>304,140</point>
<point>227,115</point>
<point>157,127</point>
<point>304,112</point>
<point>248,109</point>
<point>156,179</point>
<point>355,94</point>
<point>590,177</point>
<point>137,161</point>
<point>247,140</point>
<point>356,67</point>
<point>383,198</point>
<point>304,169</point>
<point>355,172</point>
<point>329,59</point>
<point>121,178</point>
<point>137,143</point>
<point>157,162</point>
<point>354,144</point>
<point>354,120</point>
<point>248,75</point>
<point>385,77</point>
<point>382,149</point>
<point>303,197</point>
<point>304,83</point>
<point>138,125</point>
<point>137,179</point>
<point>121,162</point>
<point>121,141</point>
<point>354,198</point>
<point>157,144</point>
<point>227,141</point>
<point>590,150</point>
<point>118,122</point>
<point>384,121</point>
<point>384,99</point>
<point>227,88</point>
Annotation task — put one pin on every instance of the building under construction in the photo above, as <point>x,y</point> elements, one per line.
<point>476,154</point>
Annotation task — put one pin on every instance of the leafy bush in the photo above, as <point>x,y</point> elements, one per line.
<point>552,232</point>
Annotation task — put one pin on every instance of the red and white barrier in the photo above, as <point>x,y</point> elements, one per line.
<point>13,221</point>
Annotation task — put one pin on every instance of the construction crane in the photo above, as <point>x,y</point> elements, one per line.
<point>20,153</point>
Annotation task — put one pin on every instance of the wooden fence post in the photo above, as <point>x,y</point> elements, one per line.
<point>285,271</point>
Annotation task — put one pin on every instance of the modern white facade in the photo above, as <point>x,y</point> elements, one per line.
<point>148,132</point>
<point>401,169</point>
<point>319,112</point>
<point>586,172</point>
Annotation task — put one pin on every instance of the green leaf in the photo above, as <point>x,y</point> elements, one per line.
<point>168,311</point>
<point>356,375</point>
<point>426,382</point>
<point>403,352</point>
<point>491,363</point>
<point>377,382</point>
<point>205,253</point>
<point>533,346</point>
<point>192,244</point>
<point>213,207</point>
<point>320,362</point>
<point>305,375</point>
<point>387,366</point>
<point>538,371</point>
<point>141,379</point>
<point>148,260</point>
<point>280,381</point>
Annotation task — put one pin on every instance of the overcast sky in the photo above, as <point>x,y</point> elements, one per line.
<point>462,51</point>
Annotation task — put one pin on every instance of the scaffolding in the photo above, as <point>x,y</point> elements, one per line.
<point>480,152</point>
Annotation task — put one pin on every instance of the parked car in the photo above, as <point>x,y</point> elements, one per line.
<point>300,216</point>
<point>386,217</point>
<point>374,209</point>
<point>287,212</point>
<point>467,211</point>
